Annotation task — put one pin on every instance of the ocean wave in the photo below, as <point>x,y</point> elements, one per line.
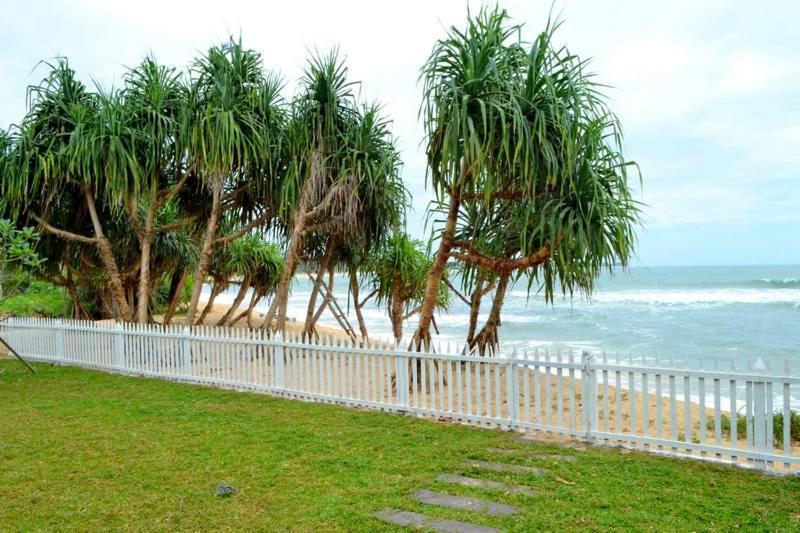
<point>714,296</point>
<point>701,297</point>
<point>458,319</point>
<point>778,283</point>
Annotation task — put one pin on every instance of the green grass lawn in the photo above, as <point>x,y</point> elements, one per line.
<point>88,450</point>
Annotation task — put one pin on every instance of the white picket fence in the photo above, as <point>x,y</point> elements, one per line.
<point>650,404</point>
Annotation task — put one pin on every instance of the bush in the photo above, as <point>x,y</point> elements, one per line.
<point>794,425</point>
<point>777,426</point>
<point>38,298</point>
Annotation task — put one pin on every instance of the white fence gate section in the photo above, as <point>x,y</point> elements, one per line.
<point>651,404</point>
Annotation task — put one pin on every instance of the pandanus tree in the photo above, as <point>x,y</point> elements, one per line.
<point>523,129</point>
<point>398,272</point>
<point>99,171</point>
<point>381,197</point>
<point>340,155</point>
<point>264,279</point>
<point>233,144</point>
<point>156,100</point>
<point>73,167</point>
<point>249,256</point>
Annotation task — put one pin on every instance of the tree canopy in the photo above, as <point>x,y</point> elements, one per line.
<point>180,177</point>
<point>525,159</point>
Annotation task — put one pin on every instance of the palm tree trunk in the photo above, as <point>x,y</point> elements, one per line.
<point>225,320</point>
<point>290,266</point>
<point>475,309</point>
<point>215,290</point>
<point>144,268</point>
<point>78,311</point>
<point>270,313</point>
<point>175,292</point>
<point>325,303</point>
<point>308,328</point>
<point>254,299</point>
<point>422,337</point>
<point>206,251</point>
<point>107,257</point>
<point>488,338</point>
<point>396,316</point>
<point>362,326</point>
<point>250,310</point>
<point>301,220</point>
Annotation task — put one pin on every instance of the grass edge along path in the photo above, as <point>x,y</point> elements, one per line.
<point>89,450</point>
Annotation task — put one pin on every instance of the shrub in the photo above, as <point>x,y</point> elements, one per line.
<point>777,425</point>
<point>39,298</point>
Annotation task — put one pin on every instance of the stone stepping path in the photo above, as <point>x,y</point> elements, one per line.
<point>534,455</point>
<point>568,445</point>
<point>485,484</point>
<point>421,521</point>
<point>464,503</point>
<point>504,467</point>
<point>557,457</point>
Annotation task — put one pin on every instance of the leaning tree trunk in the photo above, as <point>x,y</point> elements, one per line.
<point>225,320</point>
<point>488,338</point>
<point>107,257</point>
<point>254,299</point>
<point>78,311</point>
<point>475,309</point>
<point>300,223</point>
<point>362,325</point>
<point>326,303</point>
<point>290,266</point>
<point>206,251</point>
<point>175,292</point>
<point>273,306</point>
<point>308,327</point>
<point>215,291</point>
<point>422,337</point>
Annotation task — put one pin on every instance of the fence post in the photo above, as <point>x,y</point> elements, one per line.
<point>760,414</point>
<point>401,373</point>
<point>512,390</point>
<point>58,330</point>
<point>186,350</point>
<point>119,346</point>
<point>589,395</point>
<point>280,367</point>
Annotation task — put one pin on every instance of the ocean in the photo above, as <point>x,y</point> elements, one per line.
<point>730,312</point>
<point>700,316</point>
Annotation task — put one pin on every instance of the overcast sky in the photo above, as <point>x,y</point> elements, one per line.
<point>708,91</point>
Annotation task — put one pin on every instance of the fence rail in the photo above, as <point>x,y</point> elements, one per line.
<point>654,404</point>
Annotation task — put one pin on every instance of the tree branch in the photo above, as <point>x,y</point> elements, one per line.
<point>61,233</point>
<point>412,312</point>
<point>176,225</point>
<point>234,193</point>
<point>370,295</point>
<point>244,229</point>
<point>452,288</point>
<point>487,290</point>
<point>501,265</point>
<point>166,194</point>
